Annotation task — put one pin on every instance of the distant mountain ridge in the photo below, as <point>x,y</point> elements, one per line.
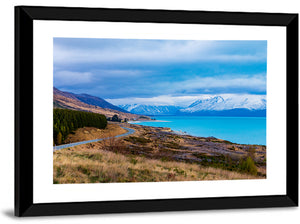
<point>84,102</point>
<point>88,99</point>
<point>219,103</point>
<point>206,105</point>
<point>245,105</point>
<point>150,109</point>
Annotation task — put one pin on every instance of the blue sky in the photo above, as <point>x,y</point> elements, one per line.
<point>119,69</point>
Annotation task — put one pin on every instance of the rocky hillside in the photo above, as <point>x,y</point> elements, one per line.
<point>71,101</point>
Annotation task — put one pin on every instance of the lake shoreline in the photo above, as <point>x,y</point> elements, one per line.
<point>158,154</point>
<point>242,130</point>
<point>184,147</point>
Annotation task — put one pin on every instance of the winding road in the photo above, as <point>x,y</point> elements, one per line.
<point>129,132</point>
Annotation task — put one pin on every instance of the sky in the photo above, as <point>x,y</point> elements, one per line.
<point>168,71</point>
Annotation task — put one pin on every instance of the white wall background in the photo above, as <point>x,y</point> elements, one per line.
<point>272,215</point>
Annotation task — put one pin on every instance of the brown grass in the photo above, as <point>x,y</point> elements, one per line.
<point>90,133</point>
<point>91,164</point>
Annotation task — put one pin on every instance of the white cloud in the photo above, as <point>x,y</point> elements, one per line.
<point>183,93</point>
<point>230,82</point>
<point>65,78</point>
<point>118,73</point>
<point>184,101</point>
<point>237,57</point>
<point>157,101</point>
<point>173,51</point>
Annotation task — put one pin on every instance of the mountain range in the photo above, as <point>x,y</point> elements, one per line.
<point>228,105</point>
<point>84,102</point>
<point>205,105</point>
<point>88,99</point>
<point>150,109</point>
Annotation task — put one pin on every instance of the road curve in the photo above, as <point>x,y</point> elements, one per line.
<point>58,147</point>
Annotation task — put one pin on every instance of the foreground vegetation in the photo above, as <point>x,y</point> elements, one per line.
<point>66,121</point>
<point>154,154</point>
<point>90,164</point>
<point>90,133</point>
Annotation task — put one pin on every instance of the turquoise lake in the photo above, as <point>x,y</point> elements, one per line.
<point>243,130</point>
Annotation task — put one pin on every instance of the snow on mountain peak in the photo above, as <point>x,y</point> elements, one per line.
<point>228,102</point>
<point>201,103</point>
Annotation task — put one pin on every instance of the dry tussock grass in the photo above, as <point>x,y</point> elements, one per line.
<point>90,133</point>
<point>83,164</point>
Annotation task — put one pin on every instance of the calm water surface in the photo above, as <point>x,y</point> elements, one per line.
<point>243,130</point>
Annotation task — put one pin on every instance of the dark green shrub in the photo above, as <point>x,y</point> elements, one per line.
<point>115,118</point>
<point>248,166</point>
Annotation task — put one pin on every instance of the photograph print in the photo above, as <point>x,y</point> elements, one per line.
<point>149,110</point>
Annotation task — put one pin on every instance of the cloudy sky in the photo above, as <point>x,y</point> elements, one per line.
<point>168,71</point>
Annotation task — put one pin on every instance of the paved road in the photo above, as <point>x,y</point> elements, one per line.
<point>129,132</point>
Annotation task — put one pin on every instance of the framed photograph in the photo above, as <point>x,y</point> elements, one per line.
<point>122,110</point>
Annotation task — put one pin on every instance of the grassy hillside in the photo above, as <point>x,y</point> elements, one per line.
<point>67,100</point>
<point>154,154</point>
<point>89,164</point>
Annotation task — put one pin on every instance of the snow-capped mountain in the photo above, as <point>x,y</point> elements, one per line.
<point>150,109</point>
<point>218,103</point>
<point>227,104</point>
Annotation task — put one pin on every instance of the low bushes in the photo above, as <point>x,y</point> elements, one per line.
<point>248,166</point>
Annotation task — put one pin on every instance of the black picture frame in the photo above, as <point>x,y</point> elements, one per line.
<point>24,18</point>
